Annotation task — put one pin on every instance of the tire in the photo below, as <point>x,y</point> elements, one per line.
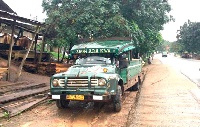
<point>62,104</point>
<point>136,87</point>
<point>117,100</point>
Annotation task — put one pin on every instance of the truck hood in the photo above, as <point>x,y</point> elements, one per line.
<point>88,71</point>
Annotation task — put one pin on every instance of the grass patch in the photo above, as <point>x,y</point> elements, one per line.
<point>55,55</point>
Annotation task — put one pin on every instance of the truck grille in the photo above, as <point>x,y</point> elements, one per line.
<point>78,82</point>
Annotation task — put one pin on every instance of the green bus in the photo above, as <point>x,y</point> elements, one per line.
<point>102,71</point>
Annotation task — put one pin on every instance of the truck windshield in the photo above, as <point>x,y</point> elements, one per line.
<point>93,60</point>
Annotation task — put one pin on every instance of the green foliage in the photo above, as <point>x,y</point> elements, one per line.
<point>55,55</point>
<point>6,114</point>
<point>148,14</point>
<point>50,101</point>
<point>142,19</point>
<point>152,40</point>
<point>163,45</point>
<point>189,39</point>
<point>175,47</point>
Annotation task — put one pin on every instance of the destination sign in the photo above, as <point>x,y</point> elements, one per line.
<point>94,50</point>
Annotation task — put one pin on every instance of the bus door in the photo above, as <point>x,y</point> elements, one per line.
<point>123,64</point>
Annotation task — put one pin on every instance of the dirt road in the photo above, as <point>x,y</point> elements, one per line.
<point>78,115</point>
<point>166,98</point>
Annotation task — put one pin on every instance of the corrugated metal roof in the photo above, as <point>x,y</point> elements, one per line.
<point>20,22</point>
<point>8,17</point>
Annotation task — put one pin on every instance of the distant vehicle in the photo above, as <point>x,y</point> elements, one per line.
<point>186,55</point>
<point>164,54</point>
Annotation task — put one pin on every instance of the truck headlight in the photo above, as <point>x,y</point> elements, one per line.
<point>102,82</point>
<point>55,83</point>
<point>105,70</point>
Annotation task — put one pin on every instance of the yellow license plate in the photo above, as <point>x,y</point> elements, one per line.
<point>75,97</point>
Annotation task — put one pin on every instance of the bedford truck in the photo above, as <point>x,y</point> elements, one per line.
<point>101,72</point>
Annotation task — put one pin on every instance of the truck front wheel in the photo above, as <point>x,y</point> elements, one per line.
<point>61,104</point>
<point>117,99</point>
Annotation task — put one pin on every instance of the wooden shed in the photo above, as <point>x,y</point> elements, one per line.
<point>21,24</point>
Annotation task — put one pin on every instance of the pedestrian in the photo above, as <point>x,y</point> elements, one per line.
<point>149,60</point>
<point>152,55</point>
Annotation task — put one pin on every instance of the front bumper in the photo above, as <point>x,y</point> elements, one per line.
<point>89,98</point>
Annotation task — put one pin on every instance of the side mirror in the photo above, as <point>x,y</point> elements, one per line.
<point>70,56</point>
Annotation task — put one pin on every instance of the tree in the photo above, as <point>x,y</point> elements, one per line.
<point>164,46</point>
<point>141,19</point>
<point>175,47</point>
<point>189,36</point>
<point>150,16</point>
<point>74,18</point>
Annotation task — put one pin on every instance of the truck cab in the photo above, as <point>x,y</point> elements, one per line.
<point>101,72</point>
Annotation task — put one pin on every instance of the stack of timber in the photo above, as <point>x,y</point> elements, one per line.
<point>61,67</point>
<point>3,72</point>
<point>30,67</point>
<point>18,97</point>
<point>46,68</point>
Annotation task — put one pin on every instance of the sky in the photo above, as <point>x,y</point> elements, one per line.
<point>182,10</point>
<point>31,9</point>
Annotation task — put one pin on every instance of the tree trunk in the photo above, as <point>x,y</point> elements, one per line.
<point>35,49</point>
<point>10,52</point>
<point>63,55</point>
<point>41,50</point>
<point>58,54</point>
